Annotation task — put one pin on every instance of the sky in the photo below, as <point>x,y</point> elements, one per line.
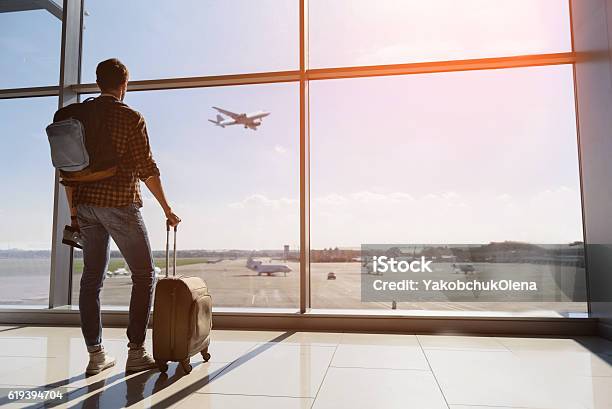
<point>466,157</point>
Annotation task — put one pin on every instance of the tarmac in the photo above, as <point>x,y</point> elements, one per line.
<point>233,285</point>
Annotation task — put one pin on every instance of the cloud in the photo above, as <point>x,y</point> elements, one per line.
<point>556,193</point>
<point>449,195</point>
<point>262,201</point>
<point>373,197</point>
<point>401,196</point>
<point>280,150</point>
<point>549,216</point>
<point>430,196</point>
<point>333,199</point>
<point>368,197</point>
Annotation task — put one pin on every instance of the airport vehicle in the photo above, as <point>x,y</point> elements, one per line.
<point>463,268</point>
<point>331,275</point>
<point>251,121</point>
<point>121,271</point>
<point>158,272</point>
<point>269,269</point>
<point>182,317</point>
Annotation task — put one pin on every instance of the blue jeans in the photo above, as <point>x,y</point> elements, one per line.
<point>127,229</point>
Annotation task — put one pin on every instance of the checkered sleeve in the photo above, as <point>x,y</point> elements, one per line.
<point>141,151</point>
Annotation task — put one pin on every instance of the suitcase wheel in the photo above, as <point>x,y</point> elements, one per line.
<point>186,366</point>
<point>163,366</point>
<point>205,355</point>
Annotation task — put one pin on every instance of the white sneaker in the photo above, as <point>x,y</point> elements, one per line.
<point>99,361</point>
<point>139,360</point>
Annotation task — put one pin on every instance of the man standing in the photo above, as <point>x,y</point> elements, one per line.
<point>109,208</point>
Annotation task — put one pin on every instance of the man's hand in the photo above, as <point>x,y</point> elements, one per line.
<point>74,223</point>
<point>173,219</point>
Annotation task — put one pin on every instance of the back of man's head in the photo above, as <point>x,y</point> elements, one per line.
<point>111,74</point>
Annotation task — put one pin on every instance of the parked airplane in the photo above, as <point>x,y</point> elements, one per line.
<point>268,269</point>
<point>251,121</point>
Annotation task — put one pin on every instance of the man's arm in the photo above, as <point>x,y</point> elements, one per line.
<point>148,171</point>
<point>154,184</point>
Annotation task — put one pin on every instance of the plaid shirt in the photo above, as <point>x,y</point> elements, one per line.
<point>129,135</point>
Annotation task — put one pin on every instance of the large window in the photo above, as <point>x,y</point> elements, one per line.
<point>29,45</point>
<point>473,163</point>
<point>26,208</point>
<point>236,190</point>
<point>458,160</point>
<point>161,39</point>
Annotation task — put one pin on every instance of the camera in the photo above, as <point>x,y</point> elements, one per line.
<point>72,237</point>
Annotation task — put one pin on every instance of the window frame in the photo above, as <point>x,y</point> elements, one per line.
<point>70,88</point>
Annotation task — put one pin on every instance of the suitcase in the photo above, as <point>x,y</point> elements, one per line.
<point>182,316</point>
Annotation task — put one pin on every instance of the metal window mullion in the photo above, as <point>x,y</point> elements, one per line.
<point>305,294</point>
<point>307,74</point>
<point>441,66</point>
<point>580,173</point>
<point>59,280</point>
<point>30,92</point>
<point>200,82</point>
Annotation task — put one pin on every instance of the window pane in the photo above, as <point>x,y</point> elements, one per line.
<point>236,190</point>
<point>365,32</point>
<point>466,157</point>
<point>30,44</point>
<point>27,205</point>
<point>160,39</point>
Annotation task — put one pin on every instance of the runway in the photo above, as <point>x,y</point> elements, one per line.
<point>232,284</point>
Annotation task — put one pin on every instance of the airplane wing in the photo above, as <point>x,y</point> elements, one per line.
<point>257,115</point>
<point>228,113</point>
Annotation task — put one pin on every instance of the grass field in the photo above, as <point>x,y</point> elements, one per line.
<point>116,263</point>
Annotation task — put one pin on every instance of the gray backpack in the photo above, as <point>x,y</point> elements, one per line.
<point>81,145</point>
<point>67,141</point>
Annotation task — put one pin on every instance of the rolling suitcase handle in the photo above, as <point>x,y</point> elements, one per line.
<point>168,250</point>
<point>162,362</point>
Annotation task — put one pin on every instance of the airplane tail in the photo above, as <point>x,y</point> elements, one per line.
<point>217,121</point>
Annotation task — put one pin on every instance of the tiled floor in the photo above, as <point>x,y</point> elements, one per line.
<point>269,370</point>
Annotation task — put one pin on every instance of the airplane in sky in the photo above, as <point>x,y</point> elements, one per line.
<point>269,269</point>
<point>251,121</point>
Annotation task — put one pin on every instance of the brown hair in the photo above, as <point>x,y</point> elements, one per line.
<point>110,74</point>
